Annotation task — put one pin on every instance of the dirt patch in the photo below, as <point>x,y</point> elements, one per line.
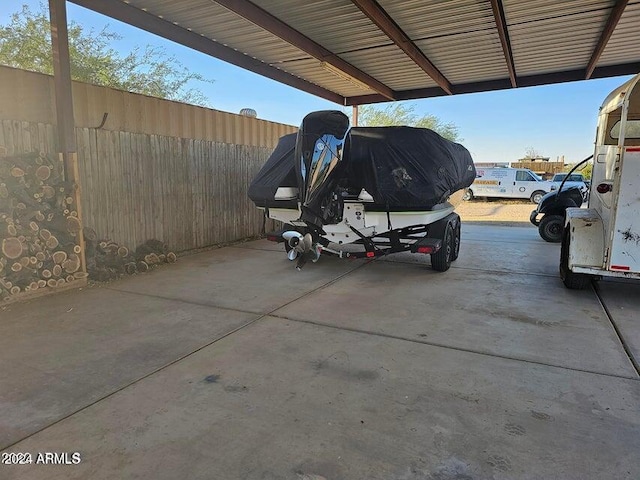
<point>504,212</point>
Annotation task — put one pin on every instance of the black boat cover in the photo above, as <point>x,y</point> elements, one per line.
<point>405,167</point>
<point>402,168</point>
<point>278,171</point>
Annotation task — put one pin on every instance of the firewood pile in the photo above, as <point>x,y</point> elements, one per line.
<point>39,225</point>
<point>39,232</point>
<point>107,260</point>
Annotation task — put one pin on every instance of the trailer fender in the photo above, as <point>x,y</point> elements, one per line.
<point>437,229</point>
<point>586,230</point>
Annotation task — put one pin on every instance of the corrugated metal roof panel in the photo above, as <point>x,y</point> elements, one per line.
<point>391,66</point>
<point>217,23</point>
<point>312,71</point>
<point>467,57</point>
<point>420,19</point>
<point>624,44</point>
<point>527,11</point>
<point>556,43</point>
<point>458,36</point>
<point>337,25</point>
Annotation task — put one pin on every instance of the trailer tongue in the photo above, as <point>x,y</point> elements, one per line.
<point>387,189</point>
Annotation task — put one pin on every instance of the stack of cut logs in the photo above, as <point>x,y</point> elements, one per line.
<point>39,230</point>
<point>107,260</point>
<point>38,225</point>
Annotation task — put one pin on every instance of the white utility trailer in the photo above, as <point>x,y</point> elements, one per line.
<point>603,240</point>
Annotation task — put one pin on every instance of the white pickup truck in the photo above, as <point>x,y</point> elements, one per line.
<point>574,180</point>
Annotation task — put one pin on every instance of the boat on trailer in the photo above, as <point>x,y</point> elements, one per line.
<point>385,189</point>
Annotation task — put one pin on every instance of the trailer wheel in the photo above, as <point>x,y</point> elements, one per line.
<point>456,243</point>
<point>441,260</point>
<point>537,196</point>
<point>468,195</point>
<point>571,280</point>
<point>550,228</point>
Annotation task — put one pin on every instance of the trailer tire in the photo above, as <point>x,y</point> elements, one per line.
<point>468,195</point>
<point>551,227</point>
<point>456,243</point>
<point>441,260</point>
<point>537,196</point>
<point>571,280</point>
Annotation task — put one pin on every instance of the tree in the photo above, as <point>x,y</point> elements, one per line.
<point>531,152</point>
<point>585,170</point>
<point>25,42</point>
<point>399,114</point>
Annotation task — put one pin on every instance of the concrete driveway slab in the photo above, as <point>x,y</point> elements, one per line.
<point>622,300</point>
<point>498,249</point>
<point>284,400</point>
<point>63,352</point>
<point>507,314</point>
<point>384,369</point>
<point>246,279</point>
<point>263,244</point>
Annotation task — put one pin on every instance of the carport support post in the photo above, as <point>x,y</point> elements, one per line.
<point>64,106</point>
<point>355,115</point>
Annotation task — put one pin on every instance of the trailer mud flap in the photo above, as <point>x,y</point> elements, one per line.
<point>427,245</point>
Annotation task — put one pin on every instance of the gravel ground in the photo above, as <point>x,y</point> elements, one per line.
<point>497,212</point>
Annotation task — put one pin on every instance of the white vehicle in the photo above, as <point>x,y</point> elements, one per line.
<point>603,240</point>
<point>508,183</point>
<point>573,180</point>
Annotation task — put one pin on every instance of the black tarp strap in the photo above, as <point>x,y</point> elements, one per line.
<point>389,227</point>
<point>265,216</point>
<point>368,243</point>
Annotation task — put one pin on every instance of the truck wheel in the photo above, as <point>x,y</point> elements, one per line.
<point>537,196</point>
<point>441,260</point>
<point>550,228</point>
<point>456,243</point>
<point>571,280</point>
<point>468,195</point>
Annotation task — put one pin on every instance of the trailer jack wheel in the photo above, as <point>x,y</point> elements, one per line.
<point>441,260</point>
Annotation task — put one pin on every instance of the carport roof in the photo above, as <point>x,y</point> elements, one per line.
<point>366,51</point>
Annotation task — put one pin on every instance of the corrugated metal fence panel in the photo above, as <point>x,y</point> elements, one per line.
<point>189,193</point>
<point>30,98</point>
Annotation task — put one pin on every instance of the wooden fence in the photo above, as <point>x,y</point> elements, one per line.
<point>189,193</point>
<point>155,168</point>
<point>548,169</point>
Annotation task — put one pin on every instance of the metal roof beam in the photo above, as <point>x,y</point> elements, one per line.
<point>277,27</point>
<point>503,33</point>
<point>146,21</point>
<point>385,23</point>
<point>613,20</point>
<point>503,83</point>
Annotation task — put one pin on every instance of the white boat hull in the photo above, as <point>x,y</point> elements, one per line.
<point>370,223</point>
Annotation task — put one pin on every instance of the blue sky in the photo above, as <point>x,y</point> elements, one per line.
<point>555,120</point>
